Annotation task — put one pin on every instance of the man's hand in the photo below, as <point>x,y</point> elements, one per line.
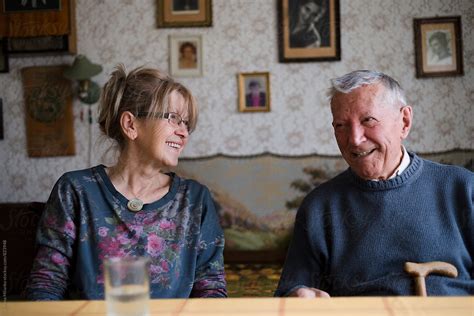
<point>309,292</point>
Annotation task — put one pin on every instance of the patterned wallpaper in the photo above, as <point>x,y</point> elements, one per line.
<point>375,34</point>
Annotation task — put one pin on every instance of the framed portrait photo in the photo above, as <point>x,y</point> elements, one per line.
<point>438,47</point>
<point>185,55</point>
<point>184,13</point>
<point>254,92</point>
<point>308,30</point>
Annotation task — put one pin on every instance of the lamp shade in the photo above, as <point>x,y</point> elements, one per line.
<point>82,69</point>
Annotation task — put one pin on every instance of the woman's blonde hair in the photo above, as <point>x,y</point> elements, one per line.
<point>143,90</point>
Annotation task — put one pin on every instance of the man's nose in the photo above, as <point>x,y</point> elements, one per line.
<point>356,135</point>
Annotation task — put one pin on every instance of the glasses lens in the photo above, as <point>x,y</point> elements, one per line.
<point>174,118</point>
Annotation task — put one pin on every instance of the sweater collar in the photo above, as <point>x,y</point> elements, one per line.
<point>412,171</point>
<point>402,166</point>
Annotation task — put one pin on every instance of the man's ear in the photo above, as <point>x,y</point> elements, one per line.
<point>128,124</point>
<point>407,117</point>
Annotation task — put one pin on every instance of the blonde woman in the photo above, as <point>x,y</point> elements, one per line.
<point>133,208</point>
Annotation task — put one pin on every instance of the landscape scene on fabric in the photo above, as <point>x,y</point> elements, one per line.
<point>257,198</point>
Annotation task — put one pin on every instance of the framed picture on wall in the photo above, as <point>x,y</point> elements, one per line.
<point>309,30</point>
<point>38,45</point>
<point>49,114</point>
<point>36,18</point>
<point>185,55</point>
<point>3,56</point>
<point>184,13</point>
<point>29,6</point>
<point>254,92</point>
<point>34,27</point>
<point>438,46</point>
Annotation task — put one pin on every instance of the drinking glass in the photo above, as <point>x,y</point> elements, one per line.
<point>127,287</point>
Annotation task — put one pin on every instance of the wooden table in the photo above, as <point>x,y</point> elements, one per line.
<point>457,306</point>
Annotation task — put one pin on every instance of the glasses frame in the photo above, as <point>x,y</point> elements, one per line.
<point>168,116</point>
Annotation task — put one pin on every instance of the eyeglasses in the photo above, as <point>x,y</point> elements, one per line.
<point>173,118</point>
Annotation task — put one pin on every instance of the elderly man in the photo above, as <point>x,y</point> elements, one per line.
<point>354,233</point>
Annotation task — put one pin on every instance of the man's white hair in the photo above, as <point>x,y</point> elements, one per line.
<point>358,78</point>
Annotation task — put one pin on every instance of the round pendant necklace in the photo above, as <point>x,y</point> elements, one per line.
<point>135,204</point>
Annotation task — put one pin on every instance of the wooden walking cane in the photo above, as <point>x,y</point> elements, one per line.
<point>421,270</point>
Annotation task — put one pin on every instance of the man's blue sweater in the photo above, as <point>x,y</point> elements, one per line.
<point>352,236</point>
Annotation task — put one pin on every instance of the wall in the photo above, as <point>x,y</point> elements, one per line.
<point>243,38</point>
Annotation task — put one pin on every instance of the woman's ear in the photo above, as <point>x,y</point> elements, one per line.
<point>128,124</point>
<point>407,118</point>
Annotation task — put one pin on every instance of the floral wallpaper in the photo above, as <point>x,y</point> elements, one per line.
<point>375,34</point>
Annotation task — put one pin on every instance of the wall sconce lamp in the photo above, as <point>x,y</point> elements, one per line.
<point>83,70</point>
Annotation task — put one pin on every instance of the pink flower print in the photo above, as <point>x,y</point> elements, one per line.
<point>156,245</point>
<point>103,243</point>
<point>103,231</point>
<point>166,224</point>
<point>113,247</point>
<point>121,228</point>
<point>138,229</point>
<point>154,269</point>
<point>58,259</point>
<point>149,219</point>
<point>123,239</point>
<point>50,221</point>
<point>165,266</point>
<point>69,229</point>
<point>121,253</point>
<point>175,247</point>
<point>110,247</point>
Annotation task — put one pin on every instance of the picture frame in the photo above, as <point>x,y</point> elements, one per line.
<point>438,46</point>
<point>184,13</point>
<point>28,18</point>
<point>318,42</point>
<point>49,115</point>
<point>38,45</point>
<point>23,23</point>
<point>27,6</point>
<point>4,65</point>
<point>185,55</point>
<point>254,92</point>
